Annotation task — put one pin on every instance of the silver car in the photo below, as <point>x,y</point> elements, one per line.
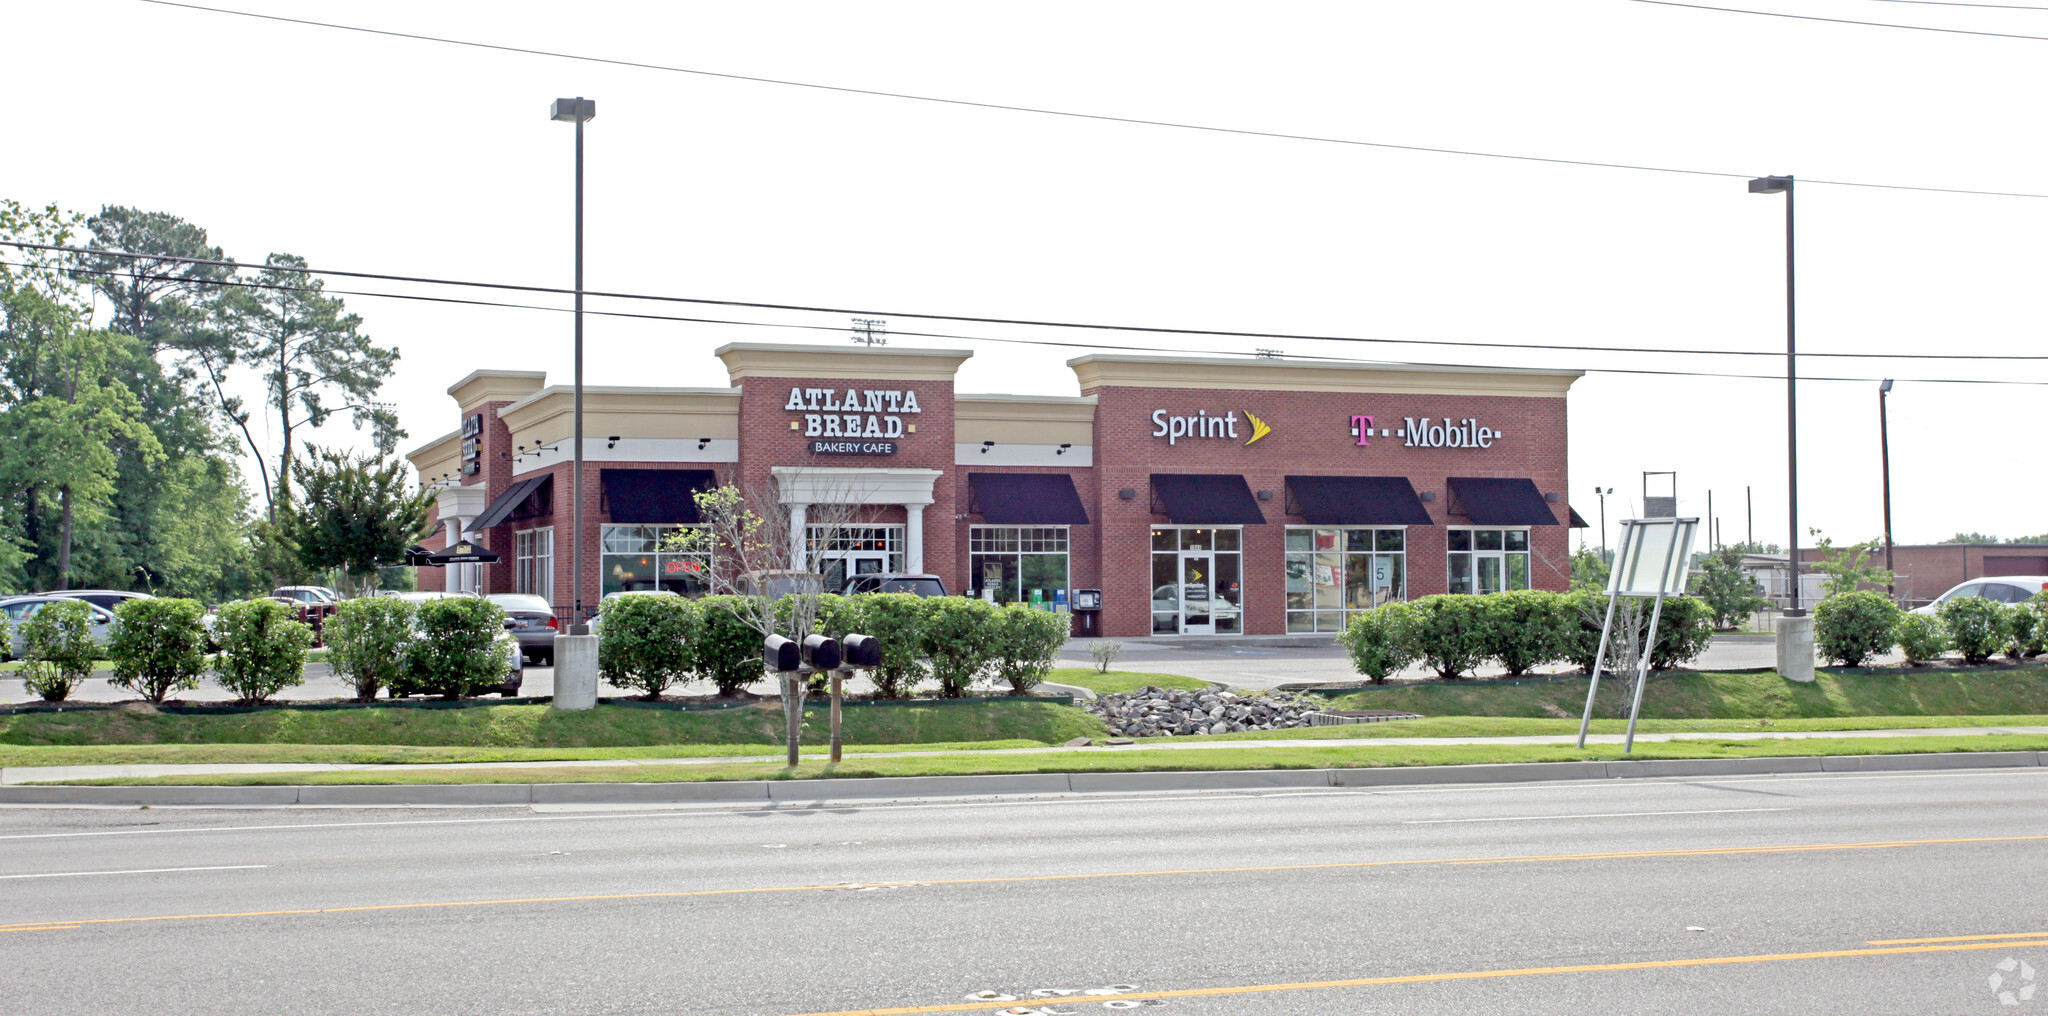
<point>14,610</point>
<point>1996,588</point>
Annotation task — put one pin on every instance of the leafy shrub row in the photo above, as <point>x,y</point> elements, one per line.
<point>650,643</point>
<point>453,647</point>
<point>1454,634</point>
<point>1850,628</point>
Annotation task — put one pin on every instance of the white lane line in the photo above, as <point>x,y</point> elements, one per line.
<point>1610,814</point>
<point>139,871</point>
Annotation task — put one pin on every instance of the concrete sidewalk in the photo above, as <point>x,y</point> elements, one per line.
<point>18,775</point>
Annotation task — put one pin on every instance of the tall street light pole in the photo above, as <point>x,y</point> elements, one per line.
<point>1884,450</point>
<point>1783,185</point>
<point>577,111</point>
<point>1603,519</point>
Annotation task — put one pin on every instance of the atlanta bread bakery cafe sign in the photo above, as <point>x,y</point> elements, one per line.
<point>852,421</point>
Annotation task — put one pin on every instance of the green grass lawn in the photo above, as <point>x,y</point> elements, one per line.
<point>1746,695</point>
<point>1133,760</point>
<point>538,726</point>
<point>1116,681</point>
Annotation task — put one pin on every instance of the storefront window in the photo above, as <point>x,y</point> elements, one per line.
<point>841,552</point>
<point>1015,564</point>
<point>534,553</point>
<point>1197,580</point>
<point>632,558</point>
<point>1333,573</point>
<point>1488,560</point>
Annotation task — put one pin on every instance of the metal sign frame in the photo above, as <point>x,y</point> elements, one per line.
<point>1652,563</point>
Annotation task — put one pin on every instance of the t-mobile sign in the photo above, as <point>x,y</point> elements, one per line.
<point>1425,433</point>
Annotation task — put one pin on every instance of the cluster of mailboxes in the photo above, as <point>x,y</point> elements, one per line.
<point>819,653</point>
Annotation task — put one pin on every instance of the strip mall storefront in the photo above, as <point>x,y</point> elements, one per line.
<point>1200,496</point>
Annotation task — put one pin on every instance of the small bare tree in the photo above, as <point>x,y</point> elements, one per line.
<point>763,553</point>
<point>1625,644</point>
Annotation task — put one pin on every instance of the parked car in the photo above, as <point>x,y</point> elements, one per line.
<point>16,609</point>
<point>917,584</point>
<point>110,599</point>
<point>1997,588</point>
<point>533,624</point>
<point>306,594</point>
<point>780,582</point>
<point>1166,600</point>
<point>515,675</point>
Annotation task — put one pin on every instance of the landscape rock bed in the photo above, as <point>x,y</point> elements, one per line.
<point>1155,712</point>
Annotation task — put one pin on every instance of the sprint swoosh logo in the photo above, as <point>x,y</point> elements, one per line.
<point>1260,428</point>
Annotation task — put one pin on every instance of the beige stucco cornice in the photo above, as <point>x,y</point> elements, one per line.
<point>495,386</point>
<point>1024,419</point>
<point>549,415</point>
<point>437,456</point>
<point>884,363</point>
<point>1098,370</point>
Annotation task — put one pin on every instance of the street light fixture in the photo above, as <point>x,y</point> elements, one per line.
<point>577,111</point>
<point>1783,185</point>
<point>1603,519</point>
<point>1884,449</point>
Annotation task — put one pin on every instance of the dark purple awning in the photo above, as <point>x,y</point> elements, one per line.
<point>1578,521</point>
<point>512,500</point>
<point>1205,499</point>
<point>1025,499</point>
<point>1490,501</point>
<point>1357,501</point>
<point>654,496</point>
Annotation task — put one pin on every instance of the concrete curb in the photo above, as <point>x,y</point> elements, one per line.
<point>1020,784</point>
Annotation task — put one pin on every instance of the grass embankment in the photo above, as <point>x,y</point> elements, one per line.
<point>1117,681</point>
<point>486,733</point>
<point>1123,760</point>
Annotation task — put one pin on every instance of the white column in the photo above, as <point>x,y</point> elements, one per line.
<point>799,556</point>
<point>913,538</point>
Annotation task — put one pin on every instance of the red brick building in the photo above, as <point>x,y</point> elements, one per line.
<point>1195,495</point>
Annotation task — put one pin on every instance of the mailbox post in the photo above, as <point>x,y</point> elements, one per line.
<point>816,654</point>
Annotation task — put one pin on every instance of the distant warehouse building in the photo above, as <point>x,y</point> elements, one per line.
<point>1198,495</point>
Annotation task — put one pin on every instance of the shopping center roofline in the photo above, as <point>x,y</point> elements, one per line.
<point>590,390</point>
<point>882,363</point>
<point>453,435</point>
<point>1097,370</point>
<point>1068,400</point>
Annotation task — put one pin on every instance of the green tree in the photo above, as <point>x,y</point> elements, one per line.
<point>314,359</point>
<point>356,514</point>
<point>1971,538</point>
<point>1850,568</point>
<point>1589,570</point>
<point>1729,592</point>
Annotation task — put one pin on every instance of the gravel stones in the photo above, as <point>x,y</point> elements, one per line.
<point>1157,712</point>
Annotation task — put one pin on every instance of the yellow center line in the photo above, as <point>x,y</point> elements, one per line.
<point>679,894</point>
<point>1465,975</point>
<point>1956,938</point>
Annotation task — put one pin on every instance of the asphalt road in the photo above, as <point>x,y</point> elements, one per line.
<point>1759,894</point>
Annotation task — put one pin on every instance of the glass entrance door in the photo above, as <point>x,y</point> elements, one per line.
<point>1197,599</point>
<point>839,566</point>
<point>1489,572</point>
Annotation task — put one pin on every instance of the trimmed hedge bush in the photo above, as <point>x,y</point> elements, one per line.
<point>2022,631</point>
<point>1526,628</point>
<point>1919,637</point>
<point>1683,630</point>
<point>958,635</point>
<point>895,619</point>
<point>57,649</point>
<point>1850,628</point>
<point>366,642</point>
<point>157,646</point>
<point>1974,625</point>
<point>727,650</point>
<point>262,649</point>
<point>1451,633</point>
<point>1027,645</point>
<point>1381,642</point>
<point>456,650</point>
<point>647,642</point>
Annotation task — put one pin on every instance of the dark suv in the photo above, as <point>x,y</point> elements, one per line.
<point>897,582</point>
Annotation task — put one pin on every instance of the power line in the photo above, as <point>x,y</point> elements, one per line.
<point>1955,3</point>
<point>1814,17</point>
<point>1046,111</point>
<point>971,319</point>
<point>1261,354</point>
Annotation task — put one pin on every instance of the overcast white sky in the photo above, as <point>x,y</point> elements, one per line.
<point>419,158</point>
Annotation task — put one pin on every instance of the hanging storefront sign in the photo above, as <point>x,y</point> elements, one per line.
<point>1425,433</point>
<point>1203,425</point>
<point>853,412</point>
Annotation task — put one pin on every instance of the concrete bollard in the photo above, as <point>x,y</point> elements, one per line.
<point>1795,647</point>
<point>576,671</point>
